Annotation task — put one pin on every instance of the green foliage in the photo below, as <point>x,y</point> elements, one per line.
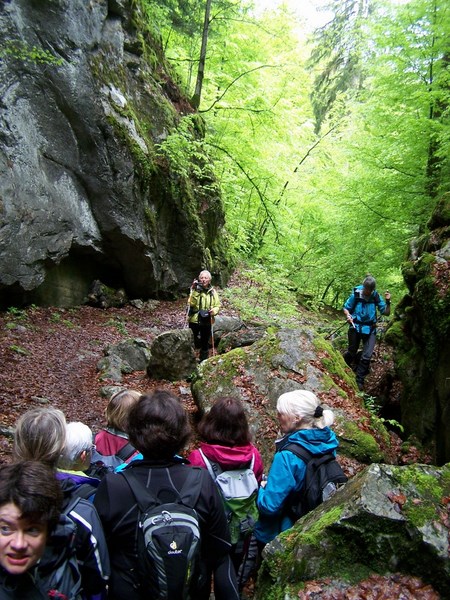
<point>32,54</point>
<point>19,350</point>
<point>263,296</point>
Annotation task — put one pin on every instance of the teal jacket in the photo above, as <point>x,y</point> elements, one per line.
<point>364,311</point>
<point>286,475</point>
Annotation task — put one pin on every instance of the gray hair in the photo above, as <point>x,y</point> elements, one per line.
<point>305,406</point>
<point>370,283</point>
<point>78,440</point>
<point>40,434</point>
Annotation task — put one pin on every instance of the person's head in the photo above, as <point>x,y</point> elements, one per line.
<point>77,451</point>
<point>205,278</point>
<point>225,424</point>
<point>158,425</point>
<point>40,434</point>
<point>30,504</point>
<point>301,409</point>
<point>369,285</point>
<point>119,407</point>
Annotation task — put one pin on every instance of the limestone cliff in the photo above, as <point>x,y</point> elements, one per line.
<point>85,98</point>
<point>421,336</point>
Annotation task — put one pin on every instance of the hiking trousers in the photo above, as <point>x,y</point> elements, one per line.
<point>354,340</point>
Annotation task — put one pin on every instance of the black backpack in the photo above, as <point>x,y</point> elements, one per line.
<point>58,569</point>
<point>323,477</point>
<point>168,538</point>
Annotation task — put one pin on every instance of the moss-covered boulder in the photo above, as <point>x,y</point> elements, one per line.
<point>284,360</point>
<point>386,519</point>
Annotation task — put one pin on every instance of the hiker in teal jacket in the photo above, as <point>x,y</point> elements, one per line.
<point>302,421</point>
<point>360,310</point>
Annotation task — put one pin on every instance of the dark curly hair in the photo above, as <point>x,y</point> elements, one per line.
<point>158,425</point>
<point>225,424</point>
<point>34,489</point>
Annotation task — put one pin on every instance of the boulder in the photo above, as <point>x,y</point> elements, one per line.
<point>385,520</point>
<point>134,352</point>
<point>172,355</point>
<point>281,361</point>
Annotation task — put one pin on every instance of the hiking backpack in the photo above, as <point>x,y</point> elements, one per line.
<point>323,477</point>
<point>102,464</point>
<point>58,569</point>
<point>168,538</point>
<point>238,489</point>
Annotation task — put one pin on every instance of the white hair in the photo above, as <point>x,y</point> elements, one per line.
<point>205,272</point>
<point>303,405</point>
<point>78,440</point>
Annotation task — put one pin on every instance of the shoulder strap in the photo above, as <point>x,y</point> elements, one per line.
<point>214,469</point>
<point>209,466</point>
<point>300,451</point>
<point>188,495</point>
<point>71,505</point>
<point>125,452</point>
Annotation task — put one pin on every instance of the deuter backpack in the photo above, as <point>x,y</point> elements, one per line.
<point>58,568</point>
<point>323,477</point>
<point>238,489</point>
<point>168,538</point>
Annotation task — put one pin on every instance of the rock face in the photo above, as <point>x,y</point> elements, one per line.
<point>421,336</point>
<point>385,520</point>
<point>85,97</point>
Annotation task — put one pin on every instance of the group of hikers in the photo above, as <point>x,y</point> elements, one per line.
<point>125,515</point>
<point>156,525</point>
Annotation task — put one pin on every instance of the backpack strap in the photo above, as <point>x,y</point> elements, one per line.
<point>126,452</point>
<point>188,495</point>
<point>300,451</point>
<point>214,469</point>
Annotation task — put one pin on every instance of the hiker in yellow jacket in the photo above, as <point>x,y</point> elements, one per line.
<point>204,305</point>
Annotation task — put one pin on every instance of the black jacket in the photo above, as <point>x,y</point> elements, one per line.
<point>20,587</point>
<point>119,514</point>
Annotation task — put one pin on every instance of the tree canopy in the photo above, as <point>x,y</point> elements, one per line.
<point>330,147</point>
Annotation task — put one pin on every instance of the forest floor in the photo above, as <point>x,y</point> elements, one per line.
<point>49,356</point>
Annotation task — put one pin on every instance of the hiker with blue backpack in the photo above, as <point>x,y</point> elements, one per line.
<point>164,520</point>
<point>235,465</point>
<point>306,437</point>
<point>360,310</point>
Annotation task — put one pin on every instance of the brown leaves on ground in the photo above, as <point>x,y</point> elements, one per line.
<point>376,587</point>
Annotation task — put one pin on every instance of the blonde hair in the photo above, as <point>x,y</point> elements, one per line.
<point>119,407</point>
<point>305,406</point>
<point>40,435</point>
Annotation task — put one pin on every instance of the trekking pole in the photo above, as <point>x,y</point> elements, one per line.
<point>336,330</point>
<point>186,316</point>
<point>212,335</point>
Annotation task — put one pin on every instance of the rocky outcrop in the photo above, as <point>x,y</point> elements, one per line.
<point>385,520</point>
<point>285,360</point>
<point>420,335</point>
<point>86,96</point>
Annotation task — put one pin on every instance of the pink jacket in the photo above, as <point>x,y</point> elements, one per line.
<point>234,457</point>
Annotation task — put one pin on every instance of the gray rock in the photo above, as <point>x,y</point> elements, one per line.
<point>386,519</point>
<point>172,355</point>
<point>81,195</point>
<point>134,352</point>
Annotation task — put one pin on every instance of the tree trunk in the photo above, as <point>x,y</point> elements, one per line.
<point>201,63</point>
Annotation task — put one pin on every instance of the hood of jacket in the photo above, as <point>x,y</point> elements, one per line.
<point>317,441</point>
<point>228,457</point>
